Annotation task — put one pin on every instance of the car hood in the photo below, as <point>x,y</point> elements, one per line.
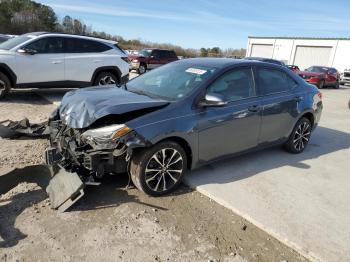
<point>5,52</point>
<point>81,108</point>
<point>306,73</point>
<point>131,57</point>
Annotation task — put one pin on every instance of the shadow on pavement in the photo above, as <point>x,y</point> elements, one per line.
<point>323,141</point>
<point>111,193</point>
<point>11,208</point>
<point>36,96</point>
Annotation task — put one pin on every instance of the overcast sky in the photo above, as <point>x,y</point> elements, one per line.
<point>206,23</point>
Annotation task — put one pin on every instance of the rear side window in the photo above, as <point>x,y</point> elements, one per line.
<point>48,45</point>
<point>273,81</point>
<point>85,46</point>
<point>235,85</point>
<point>333,71</point>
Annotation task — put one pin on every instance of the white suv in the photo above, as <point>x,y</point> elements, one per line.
<point>60,60</point>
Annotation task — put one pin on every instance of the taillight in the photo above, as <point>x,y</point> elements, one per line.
<point>319,94</point>
<point>125,58</point>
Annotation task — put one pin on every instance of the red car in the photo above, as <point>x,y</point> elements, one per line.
<point>150,59</point>
<point>294,68</point>
<point>321,76</point>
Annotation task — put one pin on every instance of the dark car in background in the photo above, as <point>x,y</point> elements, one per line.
<point>266,60</point>
<point>294,68</point>
<point>181,116</point>
<point>321,76</point>
<point>150,59</point>
<point>4,38</point>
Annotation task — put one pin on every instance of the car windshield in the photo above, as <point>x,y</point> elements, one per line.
<point>317,69</point>
<point>170,82</point>
<point>145,53</point>
<point>13,42</point>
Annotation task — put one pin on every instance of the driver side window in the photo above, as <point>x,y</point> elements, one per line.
<point>49,45</point>
<point>234,85</point>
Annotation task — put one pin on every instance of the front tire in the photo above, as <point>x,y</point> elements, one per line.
<point>336,86</point>
<point>5,85</point>
<point>142,69</point>
<point>106,78</point>
<point>158,170</point>
<point>300,136</point>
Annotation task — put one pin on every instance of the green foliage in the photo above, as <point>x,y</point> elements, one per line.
<point>23,16</point>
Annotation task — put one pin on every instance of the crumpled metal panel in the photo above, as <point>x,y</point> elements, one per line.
<point>81,108</point>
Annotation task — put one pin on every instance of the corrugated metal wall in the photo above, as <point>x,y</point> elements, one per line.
<point>306,56</point>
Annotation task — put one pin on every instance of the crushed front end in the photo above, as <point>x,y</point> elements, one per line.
<point>85,155</point>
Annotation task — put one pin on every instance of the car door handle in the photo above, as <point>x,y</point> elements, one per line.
<point>254,108</point>
<point>298,98</point>
<point>97,61</point>
<point>57,62</point>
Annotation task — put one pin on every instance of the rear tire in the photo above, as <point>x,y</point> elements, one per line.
<point>300,136</point>
<point>158,170</point>
<point>106,78</point>
<point>142,69</point>
<point>5,85</point>
<point>321,84</point>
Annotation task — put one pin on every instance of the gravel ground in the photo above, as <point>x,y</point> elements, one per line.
<point>112,222</point>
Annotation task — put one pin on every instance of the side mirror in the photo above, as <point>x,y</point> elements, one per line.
<point>26,51</point>
<point>213,100</point>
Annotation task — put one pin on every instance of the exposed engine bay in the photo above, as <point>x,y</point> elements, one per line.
<point>86,154</point>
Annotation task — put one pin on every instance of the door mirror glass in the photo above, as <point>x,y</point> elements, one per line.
<point>213,100</point>
<point>27,51</point>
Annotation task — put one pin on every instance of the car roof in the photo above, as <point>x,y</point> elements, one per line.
<point>37,34</point>
<point>222,62</point>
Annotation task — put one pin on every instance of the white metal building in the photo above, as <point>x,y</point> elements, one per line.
<point>302,51</point>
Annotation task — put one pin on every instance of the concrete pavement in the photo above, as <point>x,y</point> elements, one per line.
<point>303,200</point>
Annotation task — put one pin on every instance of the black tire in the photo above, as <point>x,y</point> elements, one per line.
<point>156,181</point>
<point>5,85</point>
<point>142,69</point>
<point>321,84</point>
<point>106,78</point>
<point>300,136</point>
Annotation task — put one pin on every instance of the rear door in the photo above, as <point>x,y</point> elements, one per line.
<point>279,102</point>
<point>83,57</point>
<point>45,66</point>
<point>234,127</point>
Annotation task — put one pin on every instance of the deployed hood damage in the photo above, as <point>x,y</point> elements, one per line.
<point>81,108</point>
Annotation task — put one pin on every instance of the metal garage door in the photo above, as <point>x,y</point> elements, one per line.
<point>306,56</point>
<point>259,50</point>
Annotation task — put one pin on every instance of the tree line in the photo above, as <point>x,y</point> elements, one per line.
<point>23,16</point>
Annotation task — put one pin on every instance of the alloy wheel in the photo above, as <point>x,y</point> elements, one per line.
<point>302,136</point>
<point>142,69</point>
<point>164,169</point>
<point>106,80</point>
<point>2,87</point>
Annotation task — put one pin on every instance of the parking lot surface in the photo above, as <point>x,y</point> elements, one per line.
<point>303,200</point>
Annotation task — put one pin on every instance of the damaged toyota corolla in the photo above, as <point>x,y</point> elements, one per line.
<point>174,118</point>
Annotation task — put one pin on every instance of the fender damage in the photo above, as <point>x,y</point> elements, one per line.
<point>88,159</point>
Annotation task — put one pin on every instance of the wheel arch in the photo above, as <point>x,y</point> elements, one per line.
<point>310,116</point>
<point>182,142</point>
<point>113,69</point>
<point>5,69</point>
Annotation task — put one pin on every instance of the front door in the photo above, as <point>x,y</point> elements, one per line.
<point>45,64</point>
<point>234,127</point>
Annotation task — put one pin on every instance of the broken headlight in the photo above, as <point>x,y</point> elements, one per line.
<point>105,135</point>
